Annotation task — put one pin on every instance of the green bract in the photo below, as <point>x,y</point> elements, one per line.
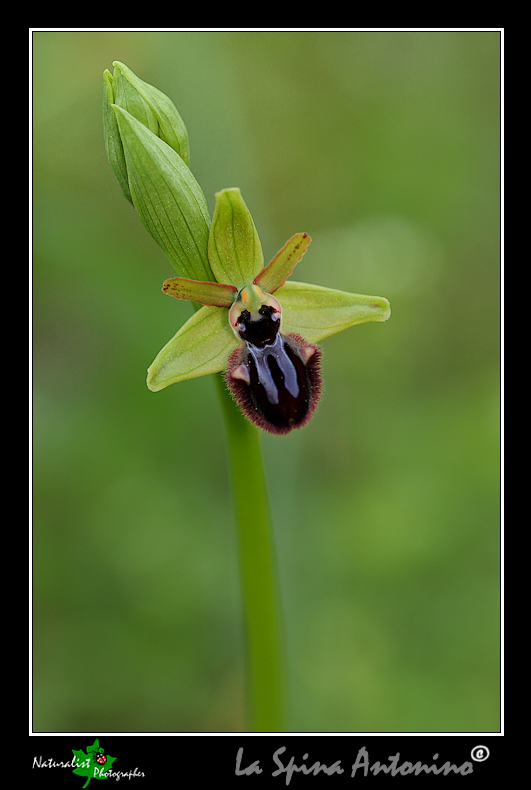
<point>168,199</point>
<point>147,146</point>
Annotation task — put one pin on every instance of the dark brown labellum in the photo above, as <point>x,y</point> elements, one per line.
<point>275,378</point>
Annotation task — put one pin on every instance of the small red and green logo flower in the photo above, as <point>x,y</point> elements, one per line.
<point>90,764</point>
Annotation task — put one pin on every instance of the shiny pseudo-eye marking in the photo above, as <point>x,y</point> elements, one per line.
<point>275,378</point>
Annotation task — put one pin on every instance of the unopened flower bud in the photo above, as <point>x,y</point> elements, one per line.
<point>149,106</point>
<point>147,146</point>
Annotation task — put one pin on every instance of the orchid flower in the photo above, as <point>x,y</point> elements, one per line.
<point>255,325</point>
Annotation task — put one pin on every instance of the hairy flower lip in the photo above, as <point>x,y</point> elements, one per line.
<point>259,410</point>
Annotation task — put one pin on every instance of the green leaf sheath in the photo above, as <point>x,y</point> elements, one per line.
<point>167,198</point>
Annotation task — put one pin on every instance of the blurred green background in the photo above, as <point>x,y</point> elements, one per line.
<point>385,148</point>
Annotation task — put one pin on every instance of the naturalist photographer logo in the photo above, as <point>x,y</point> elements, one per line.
<point>92,764</point>
<point>95,764</point>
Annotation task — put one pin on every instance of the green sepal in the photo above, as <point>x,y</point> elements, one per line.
<point>213,294</point>
<point>200,347</point>
<point>234,249</point>
<point>167,198</point>
<point>316,312</point>
<point>152,107</point>
<point>111,135</point>
<point>275,273</point>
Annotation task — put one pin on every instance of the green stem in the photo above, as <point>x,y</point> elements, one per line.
<point>257,567</point>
